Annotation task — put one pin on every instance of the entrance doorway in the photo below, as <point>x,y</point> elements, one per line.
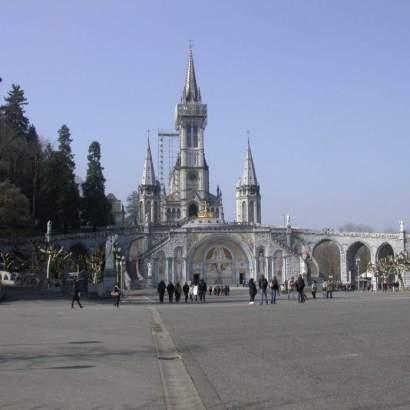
<point>193,211</point>
<point>195,278</point>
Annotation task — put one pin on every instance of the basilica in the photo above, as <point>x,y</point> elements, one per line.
<point>184,235</point>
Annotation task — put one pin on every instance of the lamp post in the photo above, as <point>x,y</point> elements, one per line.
<point>358,272</point>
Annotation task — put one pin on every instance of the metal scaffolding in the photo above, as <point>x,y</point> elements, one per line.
<point>168,148</point>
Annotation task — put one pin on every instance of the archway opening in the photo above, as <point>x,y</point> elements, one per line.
<point>357,261</point>
<point>193,210</point>
<point>78,257</point>
<point>327,256</point>
<point>384,251</point>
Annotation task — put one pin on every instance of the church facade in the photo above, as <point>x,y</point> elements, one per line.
<point>185,236</point>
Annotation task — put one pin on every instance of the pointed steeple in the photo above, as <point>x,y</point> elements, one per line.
<point>191,91</point>
<point>148,175</point>
<point>249,174</point>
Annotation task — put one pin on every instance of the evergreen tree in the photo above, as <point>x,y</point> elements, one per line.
<point>95,206</point>
<point>14,207</point>
<point>69,198</point>
<point>59,196</point>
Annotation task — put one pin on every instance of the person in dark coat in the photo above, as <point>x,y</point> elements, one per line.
<point>300,287</point>
<point>178,292</point>
<point>161,291</point>
<point>202,290</point>
<point>274,287</point>
<point>117,291</point>
<point>185,289</point>
<point>171,290</point>
<point>314,289</point>
<point>252,291</point>
<point>75,292</point>
<point>263,286</point>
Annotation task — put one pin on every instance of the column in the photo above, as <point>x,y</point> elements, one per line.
<point>344,274</point>
<point>267,267</point>
<point>184,269</point>
<point>284,268</point>
<point>167,270</point>
<point>273,267</point>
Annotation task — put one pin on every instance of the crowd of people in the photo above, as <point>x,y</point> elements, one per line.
<point>269,290</point>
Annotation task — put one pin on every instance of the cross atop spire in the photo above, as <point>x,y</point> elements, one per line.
<point>148,175</point>
<point>191,91</point>
<point>249,174</point>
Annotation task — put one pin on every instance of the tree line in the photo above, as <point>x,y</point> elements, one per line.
<point>37,180</point>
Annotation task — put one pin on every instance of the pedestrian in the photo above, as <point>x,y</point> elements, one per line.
<point>202,290</point>
<point>291,288</point>
<point>274,287</point>
<point>75,292</point>
<point>210,290</point>
<point>329,289</point>
<point>314,288</point>
<point>185,289</point>
<point>171,290</point>
<point>300,287</point>
<point>178,292</point>
<point>195,291</point>
<point>263,286</point>
<point>161,291</point>
<point>252,291</point>
<point>191,293</point>
<point>116,293</point>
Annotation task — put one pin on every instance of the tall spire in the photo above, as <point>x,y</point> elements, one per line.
<point>249,174</point>
<point>148,175</point>
<point>191,91</point>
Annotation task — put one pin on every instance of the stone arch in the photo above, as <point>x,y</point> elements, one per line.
<point>383,251</point>
<point>193,210</point>
<point>178,263</point>
<point>358,255</point>
<point>134,265</point>
<point>160,267</point>
<point>278,264</point>
<point>242,266</point>
<point>260,261</point>
<point>178,213</point>
<point>327,254</point>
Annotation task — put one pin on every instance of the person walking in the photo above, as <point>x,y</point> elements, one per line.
<point>75,292</point>
<point>185,289</point>
<point>171,290</point>
<point>291,288</point>
<point>161,291</point>
<point>178,292</point>
<point>263,286</point>
<point>274,288</point>
<point>300,287</point>
<point>116,293</point>
<point>329,289</point>
<point>252,291</point>
<point>314,288</point>
<point>202,290</point>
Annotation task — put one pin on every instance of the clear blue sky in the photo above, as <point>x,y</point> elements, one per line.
<point>323,86</point>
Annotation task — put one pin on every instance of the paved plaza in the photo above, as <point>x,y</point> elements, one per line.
<point>351,352</point>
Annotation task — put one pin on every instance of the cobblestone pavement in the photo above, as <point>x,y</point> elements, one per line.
<point>350,352</point>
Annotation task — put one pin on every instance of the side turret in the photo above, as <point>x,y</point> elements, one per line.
<point>149,193</point>
<point>248,198</point>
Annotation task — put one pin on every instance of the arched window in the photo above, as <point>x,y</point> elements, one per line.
<point>173,213</point>
<point>244,218</point>
<point>251,213</point>
<point>195,137</point>
<point>178,213</point>
<point>168,214</point>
